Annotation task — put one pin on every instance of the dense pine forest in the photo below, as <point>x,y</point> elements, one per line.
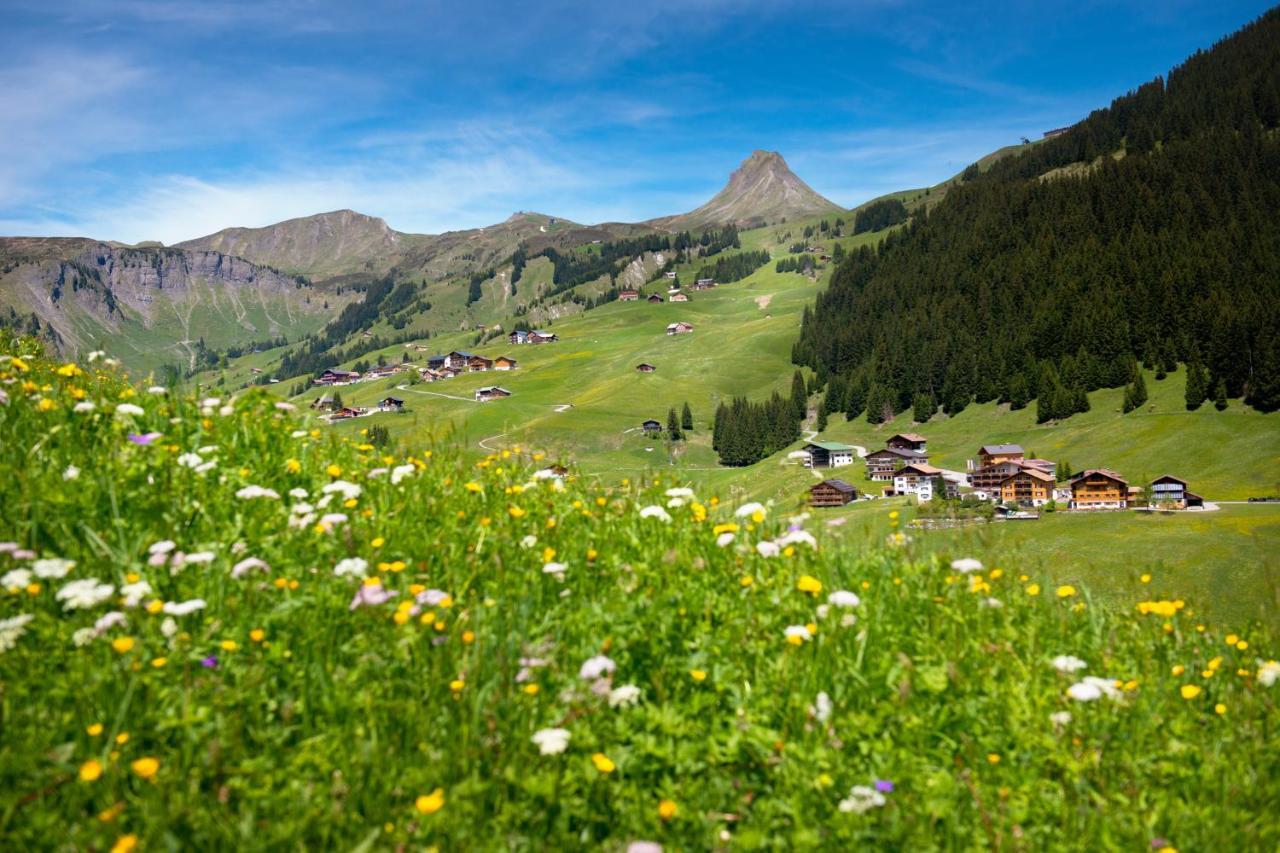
<point>1146,233</point>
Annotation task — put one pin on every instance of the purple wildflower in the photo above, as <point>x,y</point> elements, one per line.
<point>372,595</point>
<point>884,786</point>
<point>210,662</point>
<point>143,439</point>
<point>1159,843</point>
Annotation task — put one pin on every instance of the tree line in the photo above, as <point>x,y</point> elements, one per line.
<point>735,267</point>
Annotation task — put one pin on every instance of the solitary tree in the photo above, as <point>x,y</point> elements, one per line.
<point>673,425</point>
<point>686,418</point>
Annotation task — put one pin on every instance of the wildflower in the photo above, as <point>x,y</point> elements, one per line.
<point>52,567</point>
<point>371,595</point>
<point>430,803</point>
<point>726,527</point>
<point>12,629</point>
<point>134,593</point>
<point>821,708</point>
<point>16,579</point>
<point>1268,672</point>
<point>71,472</point>
<point>349,491</point>
<point>351,567</point>
<point>146,767</point>
<point>809,584</point>
<point>667,809</point>
<point>457,685</point>
<point>183,608</point>
<point>144,439</point>
<point>861,799</point>
<point>993,758</point>
<point>965,565</point>
<point>94,729</point>
<point>624,696</point>
<point>211,662</point>
<point>248,564</point>
<point>797,634</point>
<point>596,667</point>
<point>767,549</point>
<point>1092,688</point>
<point>754,510</point>
<point>130,410</point>
<point>251,492</point>
<point>83,407</point>
<point>551,741</point>
<point>125,843</point>
<point>655,511</point>
<point>1066,591</point>
<point>603,763</point>
<point>1033,589</point>
<point>1060,718</point>
<point>1068,663</point>
<point>1190,691</point>
<point>122,644</point>
<point>84,594</point>
<point>724,539</point>
<point>1220,709</point>
<point>792,537</point>
<point>698,675</point>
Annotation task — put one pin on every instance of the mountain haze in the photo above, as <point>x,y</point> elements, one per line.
<point>761,190</point>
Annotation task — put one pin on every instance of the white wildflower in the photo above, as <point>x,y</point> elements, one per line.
<point>749,509</point>
<point>247,565</point>
<point>298,433</point>
<point>675,503</point>
<point>184,608</point>
<point>298,492</point>
<point>1268,672</point>
<point>190,460</point>
<point>555,569</point>
<point>134,593</point>
<point>794,536</point>
<point>351,566</point>
<point>108,621</point>
<point>157,389</point>
<point>250,492</point>
<point>655,511</point>
<point>95,355</point>
<point>724,539</point>
<point>227,411</point>
<point>432,597</point>
<point>993,603</point>
<point>528,541</point>
<point>596,667</point>
<point>206,467</point>
<point>169,627</point>
<point>83,594</point>
<point>768,549</point>
<point>964,565</point>
<point>164,546</point>
<point>83,637</point>
<point>680,492</point>
<point>822,707</point>
<point>285,407</point>
<point>83,407</point>
<point>551,741</point>
<point>797,632</point>
<point>16,578</point>
<point>624,696</point>
<point>12,629</point>
<point>1068,663</point>
<point>71,472</point>
<point>399,472</point>
<point>52,567</point>
<point>861,799</point>
<point>1093,687</point>
<point>1060,718</point>
<point>130,409</point>
<point>348,490</point>
<point>200,557</point>
<point>843,598</point>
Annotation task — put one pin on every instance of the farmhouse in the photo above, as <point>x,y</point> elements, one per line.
<point>831,493</point>
<point>680,328</point>
<point>907,441</point>
<point>678,296</point>
<point>435,362</point>
<point>1169,490</point>
<point>669,274</point>
<point>458,358</point>
<point>645,367</point>
<point>539,337</point>
<point>1027,487</point>
<point>628,295</point>
<point>994,463</point>
<point>655,299</point>
<point>380,370</point>
<point>704,283</point>
<point>503,362</point>
<point>478,363</point>
<point>325,403</point>
<point>651,426</point>
<point>492,392</point>
<point>391,404</point>
<point>336,377</point>
<point>882,463</point>
<point>827,454</point>
<point>347,412</point>
<point>1099,488</point>
<point>920,480</point>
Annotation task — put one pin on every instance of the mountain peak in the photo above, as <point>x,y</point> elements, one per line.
<point>762,189</point>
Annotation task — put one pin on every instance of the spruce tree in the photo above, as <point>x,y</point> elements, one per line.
<point>1220,395</point>
<point>1197,384</point>
<point>673,425</point>
<point>922,408</point>
<point>799,395</point>
<point>1019,395</point>
<point>686,418</point>
<point>1139,389</point>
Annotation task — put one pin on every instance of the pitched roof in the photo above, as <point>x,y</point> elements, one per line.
<point>838,485</point>
<point>1169,478</point>
<point>1106,472</point>
<point>993,449</point>
<point>1030,472</point>
<point>830,445</point>
<point>909,436</point>
<point>900,452</point>
<point>919,468</point>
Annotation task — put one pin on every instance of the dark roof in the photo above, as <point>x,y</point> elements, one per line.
<point>830,445</point>
<point>895,451</point>
<point>392,400</point>
<point>1169,478</point>
<point>651,421</point>
<point>992,449</point>
<point>909,436</point>
<point>463,353</point>
<point>838,485</point>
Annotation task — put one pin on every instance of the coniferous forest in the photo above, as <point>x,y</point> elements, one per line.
<point>1146,233</point>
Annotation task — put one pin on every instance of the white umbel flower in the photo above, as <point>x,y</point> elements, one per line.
<point>551,741</point>
<point>655,511</point>
<point>861,799</point>
<point>351,567</point>
<point>84,594</point>
<point>1068,663</point>
<point>12,629</point>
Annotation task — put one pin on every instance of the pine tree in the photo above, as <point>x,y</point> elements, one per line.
<point>922,408</point>
<point>822,417</point>
<point>686,418</point>
<point>1220,395</point>
<point>673,425</point>
<point>799,395</point>
<point>1197,384</point>
<point>337,400</point>
<point>1139,389</point>
<point>1019,395</point>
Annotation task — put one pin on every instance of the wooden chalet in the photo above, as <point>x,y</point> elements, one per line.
<point>435,362</point>
<point>380,370</point>
<point>669,274</point>
<point>1028,487</point>
<point>679,296</point>
<point>628,295</point>
<point>324,404</point>
<point>831,493</point>
<point>907,441</point>
<point>995,462</point>
<point>705,283</point>
<point>645,367</point>
<point>1169,490</point>
<point>539,337</point>
<point>492,392</point>
<point>391,404</point>
<point>680,328</point>
<point>336,377</point>
<point>1099,488</point>
<point>347,412</point>
<point>503,362</point>
<point>651,426</point>
<point>882,463</point>
<point>458,358</point>
<point>828,454</point>
<point>654,299</point>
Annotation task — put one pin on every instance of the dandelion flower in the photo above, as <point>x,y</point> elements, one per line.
<point>1066,591</point>
<point>122,644</point>
<point>809,584</point>
<point>91,770</point>
<point>698,674</point>
<point>146,768</point>
<point>551,741</point>
<point>667,809</point>
<point>603,763</point>
<point>430,803</point>
<point>1190,691</point>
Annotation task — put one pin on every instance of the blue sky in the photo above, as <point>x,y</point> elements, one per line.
<point>133,119</point>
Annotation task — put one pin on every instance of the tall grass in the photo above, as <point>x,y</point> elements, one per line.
<point>283,714</point>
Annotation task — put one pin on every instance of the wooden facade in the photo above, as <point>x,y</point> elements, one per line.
<point>1099,488</point>
<point>882,463</point>
<point>831,493</point>
<point>907,441</point>
<point>1028,487</point>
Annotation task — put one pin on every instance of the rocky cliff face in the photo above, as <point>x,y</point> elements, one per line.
<point>763,189</point>
<point>153,303</point>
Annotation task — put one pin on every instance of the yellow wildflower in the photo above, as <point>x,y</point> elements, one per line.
<point>257,635</point>
<point>430,803</point>
<point>1219,709</point>
<point>531,689</point>
<point>667,809</point>
<point>122,644</point>
<point>1066,591</point>
<point>1190,691</point>
<point>603,763</point>
<point>91,770</point>
<point>698,675</point>
<point>146,767</point>
<point>229,645</point>
<point>809,584</point>
<point>94,729</point>
<point>1033,589</point>
<point>125,843</point>
<point>473,486</point>
<point>158,663</point>
<point>725,527</point>
<point>993,758</point>
<point>516,512</point>
<point>456,685</point>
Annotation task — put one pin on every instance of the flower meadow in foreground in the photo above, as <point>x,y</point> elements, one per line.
<point>233,629</point>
